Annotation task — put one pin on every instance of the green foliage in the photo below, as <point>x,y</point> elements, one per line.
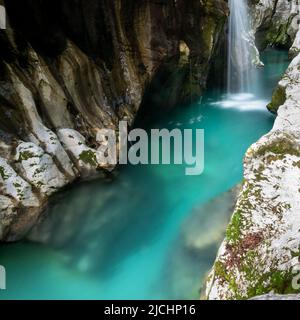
<point>282,146</point>
<point>25,155</point>
<point>234,229</point>
<point>89,157</point>
<point>278,99</point>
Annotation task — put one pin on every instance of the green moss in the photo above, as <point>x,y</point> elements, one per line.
<point>40,184</point>
<point>224,275</point>
<point>274,280</point>
<point>2,173</point>
<point>220,270</point>
<point>279,282</point>
<point>296,254</point>
<point>25,155</point>
<point>17,185</point>
<point>278,99</point>
<point>279,36</point>
<point>233,232</point>
<point>89,157</point>
<point>38,171</point>
<point>282,146</point>
<point>248,191</point>
<point>247,261</point>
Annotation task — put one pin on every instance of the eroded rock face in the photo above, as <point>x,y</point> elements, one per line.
<point>260,254</point>
<point>295,49</point>
<point>70,68</point>
<point>200,237</point>
<point>261,251</point>
<point>275,22</point>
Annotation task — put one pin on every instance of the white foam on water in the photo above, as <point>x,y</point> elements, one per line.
<point>241,102</point>
<point>241,96</point>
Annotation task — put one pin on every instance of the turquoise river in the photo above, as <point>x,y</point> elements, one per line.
<point>126,238</point>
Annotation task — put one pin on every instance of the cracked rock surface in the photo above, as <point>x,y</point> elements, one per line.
<point>261,251</point>
<point>71,68</point>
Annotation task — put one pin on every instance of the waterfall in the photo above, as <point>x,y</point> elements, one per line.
<point>239,48</point>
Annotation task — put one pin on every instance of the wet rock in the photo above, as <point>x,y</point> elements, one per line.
<point>39,168</point>
<point>75,67</point>
<point>16,195</point>
<point>201,235</point>
<point>275,23</point>
<point>261,251</point>
<point>206,225</point>
<point>295,49</point>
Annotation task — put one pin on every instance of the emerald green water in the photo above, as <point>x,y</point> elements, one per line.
<point>123,239</point>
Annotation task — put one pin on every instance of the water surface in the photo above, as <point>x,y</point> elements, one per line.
<point>124,239</point>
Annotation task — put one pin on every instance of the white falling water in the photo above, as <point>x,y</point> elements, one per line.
<point>239,47</point>
<point>244,66</point>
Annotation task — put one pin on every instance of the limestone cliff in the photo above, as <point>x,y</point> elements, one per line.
<point>70,68</point>
<point>260,254</point>
<point>275,22</point>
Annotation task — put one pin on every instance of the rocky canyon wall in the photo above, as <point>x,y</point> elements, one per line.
<point>275,22</point>
<point>260,254</point>
<point>70,68</point>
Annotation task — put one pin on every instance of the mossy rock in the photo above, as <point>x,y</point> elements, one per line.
<point>278,99</point>
<point>2,173</point>
<point>89,157</point>
<point>26,155</point>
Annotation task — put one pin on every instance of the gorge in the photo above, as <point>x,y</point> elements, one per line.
<point>145,232</point>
